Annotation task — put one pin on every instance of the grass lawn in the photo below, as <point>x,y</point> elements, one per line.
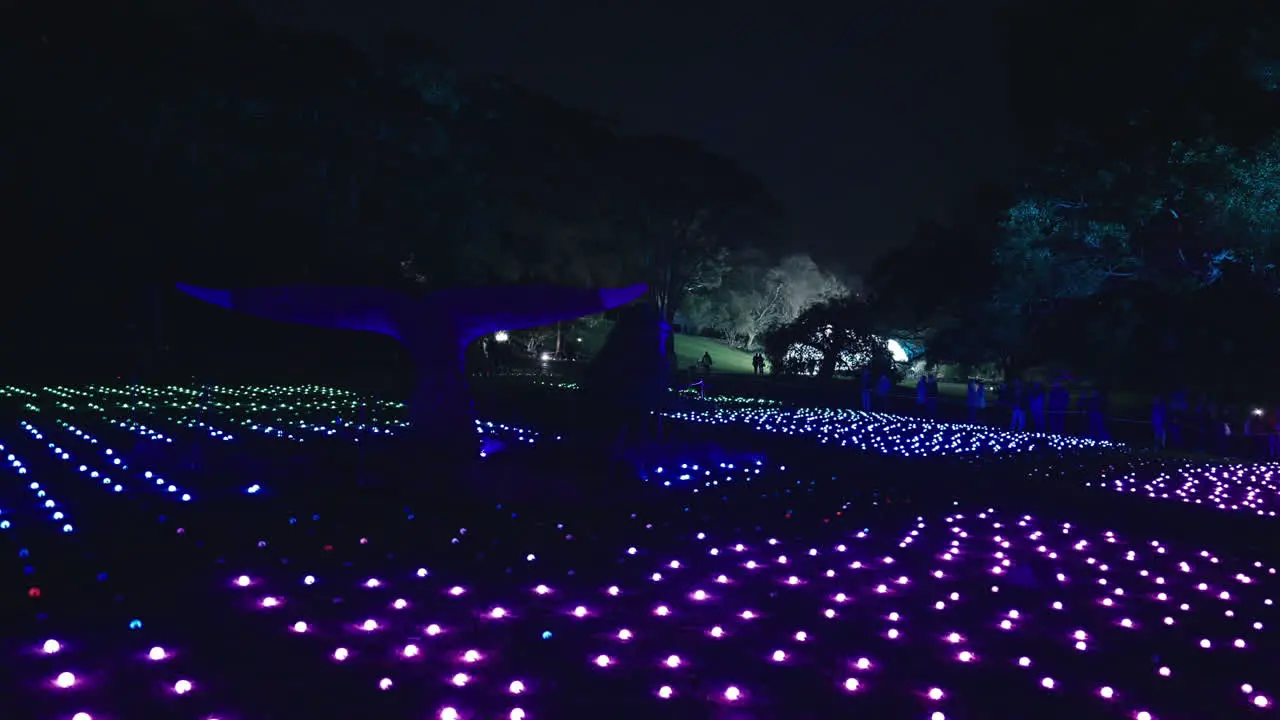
<point>689,350</point>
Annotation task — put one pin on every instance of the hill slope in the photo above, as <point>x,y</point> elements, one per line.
<point>689,349</point>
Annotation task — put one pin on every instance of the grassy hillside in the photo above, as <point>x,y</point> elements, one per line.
<point>689,350</point>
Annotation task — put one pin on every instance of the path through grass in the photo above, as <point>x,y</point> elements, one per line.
<point>689,350</point>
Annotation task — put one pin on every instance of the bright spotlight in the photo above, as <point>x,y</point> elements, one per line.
<point>898,353</point>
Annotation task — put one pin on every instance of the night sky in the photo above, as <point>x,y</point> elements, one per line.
<point>862,121</point>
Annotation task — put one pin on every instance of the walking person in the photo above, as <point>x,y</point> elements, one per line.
<point>1159,416</point>
<point>1036,407</point>
<point>704,365</point>
<point>1018,400</point>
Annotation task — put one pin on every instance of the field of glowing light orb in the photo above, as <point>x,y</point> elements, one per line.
<point>169,552</point>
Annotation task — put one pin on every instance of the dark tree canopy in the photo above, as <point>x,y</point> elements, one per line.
<point>1143,226</point>
<point>836,336</point>
<point>695,208</point>
<point>206,146</point>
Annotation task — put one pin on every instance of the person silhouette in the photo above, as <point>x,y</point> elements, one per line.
<point>1018,403</point>
<point>434,329</point>
<point>1036,407</point>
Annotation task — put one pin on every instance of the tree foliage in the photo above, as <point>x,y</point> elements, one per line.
<point>937,290</point>
<point>1145,212</point>
<point>755,297</point>
<point>211,147</point>
<point>835,336</point>
<point>697,209</point>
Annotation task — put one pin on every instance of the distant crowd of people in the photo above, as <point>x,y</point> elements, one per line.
<point>1207,426</point>
<point>1041,408</point>
<point>705,364</point>
<point>1044,407</point>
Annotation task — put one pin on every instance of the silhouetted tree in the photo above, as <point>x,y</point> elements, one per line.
<point>835,336</point>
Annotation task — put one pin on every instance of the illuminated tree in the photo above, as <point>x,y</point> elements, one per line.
<point>754,300</point>
<point>834,336</point>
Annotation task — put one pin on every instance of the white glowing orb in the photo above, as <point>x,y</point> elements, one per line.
<point>897,352</point>
<point>501,336</point>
